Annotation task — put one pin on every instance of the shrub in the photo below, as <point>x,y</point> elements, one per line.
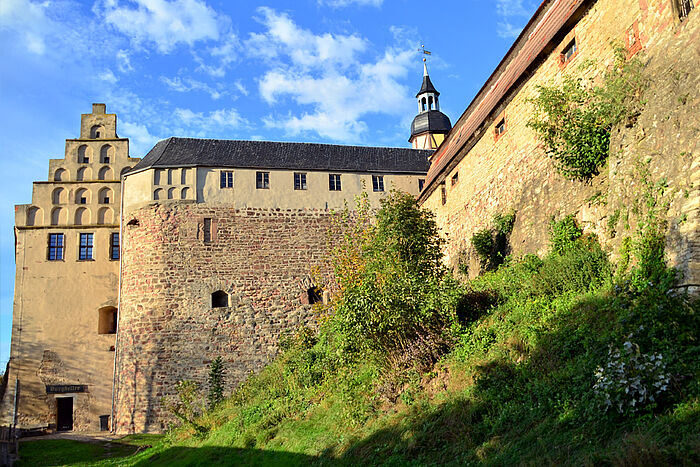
<point>491,244</point>
<point>216,382</point>
<point>574,120</point>
<point>563,233</point>
<point>483,244</point>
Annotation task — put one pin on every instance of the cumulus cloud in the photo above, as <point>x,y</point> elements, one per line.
<point>514,14</point>
<point>140,139</point>
<point>325,76</point>
<point>165,23</point>
<point>29,20</point>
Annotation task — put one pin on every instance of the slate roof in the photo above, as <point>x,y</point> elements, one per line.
<point>432,120</point>
<point>189,152</point>
<point>427,86</point>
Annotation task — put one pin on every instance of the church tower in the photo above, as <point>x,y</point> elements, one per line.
<point>430,126</point>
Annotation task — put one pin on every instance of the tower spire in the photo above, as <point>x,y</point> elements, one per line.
<point>430,125</point>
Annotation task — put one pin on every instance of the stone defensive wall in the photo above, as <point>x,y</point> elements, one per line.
<point>492,162</point>
<point>203,281</point>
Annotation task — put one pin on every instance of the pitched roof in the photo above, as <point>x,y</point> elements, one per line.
<point>179,152</point>
<point>427,86</point>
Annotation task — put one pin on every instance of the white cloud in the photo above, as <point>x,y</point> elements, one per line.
<point>140,139</point>
<point>29,20</point>
<point>221,56</point>
<point>512,12</point>
<point>325,76</point>
<point>108,76</point>
<point>166,23</point>
<point>188,84</point>
<point>124,61</point>
<point>221,118</point>
<point>343,3</point>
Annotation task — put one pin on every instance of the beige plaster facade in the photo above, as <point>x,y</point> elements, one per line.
<point>64,319</point>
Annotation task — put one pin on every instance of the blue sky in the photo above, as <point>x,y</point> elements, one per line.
<point>336,71</point>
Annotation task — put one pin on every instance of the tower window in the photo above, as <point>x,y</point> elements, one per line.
<point>262,180</point>
<point>455,179</point>
<point>226,179</point>
<point>315,295</point>
<point>85,249</point>
<point>114,246</point>
<point>299,181</point>
<point>377,183</point>
<point>422,104</point>
<point>219,299</point>
<point>55,250</point>
<point>421,184</point>
<point>334,182</point>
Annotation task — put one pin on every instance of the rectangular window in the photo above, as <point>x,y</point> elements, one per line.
<point>443,193</point>
<point>299,181</point>
<point>106,160</point>
<point>377,182</point>
<point>82,200</point>
<point>85,250</point>
<point>455,179</point>
<point>226,179</point>
<point>206,230</point>
<point>55,252</point>
<point>262,180</point>
<point>114,246</point>
<point>500,127</point>
<point>569,51</point>
<point>421,184</point>
<point>334,182</point>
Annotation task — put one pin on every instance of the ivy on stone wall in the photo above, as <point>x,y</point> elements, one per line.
<point>574,119</point>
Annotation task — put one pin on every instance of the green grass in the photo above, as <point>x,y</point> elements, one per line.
<point>516,387</point>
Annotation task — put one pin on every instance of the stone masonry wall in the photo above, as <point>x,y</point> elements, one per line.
<point>168,330</point>
<point>513,171</point>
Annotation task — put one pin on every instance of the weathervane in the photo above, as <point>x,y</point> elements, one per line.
<point>423,51</point>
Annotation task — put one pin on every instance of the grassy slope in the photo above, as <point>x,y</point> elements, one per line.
<point>515,389</point>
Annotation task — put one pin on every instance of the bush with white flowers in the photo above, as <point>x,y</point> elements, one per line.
<point>630,379</point>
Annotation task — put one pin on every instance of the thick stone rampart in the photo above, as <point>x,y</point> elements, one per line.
<point>169,330</point>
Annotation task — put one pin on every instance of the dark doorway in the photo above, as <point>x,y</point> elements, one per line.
<point>64,413</point>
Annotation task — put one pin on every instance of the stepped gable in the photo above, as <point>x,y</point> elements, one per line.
<point>188,152</point>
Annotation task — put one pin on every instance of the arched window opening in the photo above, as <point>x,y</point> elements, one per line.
<point>97,131</point>
<point>315,295</point>
<point>171,193</point>
<point>104,216</point>
<point>82,196</point>
<point>84,173</point>
<point>106,153</point>
<point>82,216</point>
<point>60,175</point>
<point>107,321</point>
<point>158,194</point>
<point>430,102</point>
<point>105,173</point>
<point>58,196</point>
<point>84,153</point>
<point>172,175</point>
<point>219,299</point>
<point>34,216</point>
<point>58,216</point>
<point>105,196</point>
<point>158,175</point>
<point>185,193</point>
<point>124,171</point>
<point>437,105</point>
<point>422,104</point>
<point>183,176</point>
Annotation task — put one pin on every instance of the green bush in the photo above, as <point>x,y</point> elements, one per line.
<point>216,382</point>
<point>483,243</point>
<point>563,233</point>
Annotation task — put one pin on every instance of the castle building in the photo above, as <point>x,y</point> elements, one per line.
<point>217,252</point>
<point>65,305</point>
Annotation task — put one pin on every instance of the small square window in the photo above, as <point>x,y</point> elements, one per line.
<point>105,159</point>
<point>82,200</point>
<point>85,249</point>
<point>262,180</point>
<point>55,251</point>
<point>299,181</point>
<point>421,184</point>
<point>500,127</point>
<point>455,179</point>
<point>377,182</point>
<point>334,182</point>
<point>226,179</point>
<point>569,52</point>
<point>114,246</point>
